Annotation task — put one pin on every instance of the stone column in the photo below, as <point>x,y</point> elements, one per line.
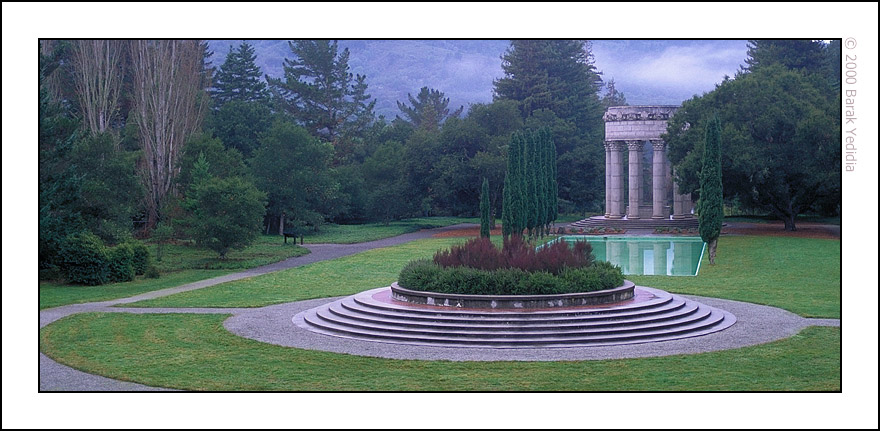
<point>635,178</point>
<point>616,181</point>
<point>607,179</point>
<point>659,177</point>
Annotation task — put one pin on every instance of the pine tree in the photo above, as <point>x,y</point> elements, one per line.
<point>711,200</point>
<point>239,78</point>
<point>319,91</point>
<point>555,83</point>
<point>429,109</point>
<point>484,210</point>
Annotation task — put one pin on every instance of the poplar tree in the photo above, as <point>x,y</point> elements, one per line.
<point>711,201</point>
<point>168,108</point>
<point>484,210</point>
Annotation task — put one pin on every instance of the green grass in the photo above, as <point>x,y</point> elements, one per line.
<point>772,219</point>
<point>181,263</point>
<point>801,275</point>
<point>351,234</point>
<point>344,276</point>
<point>797,274</point>
<point>186,255</point>
<point>56,294</point>
<point>195,352</point>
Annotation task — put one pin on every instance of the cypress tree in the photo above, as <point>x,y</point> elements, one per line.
<point>484,209</point>
<point>512,204</point>
<point>531,185</point>
<point>541,154</point>
<point>554,184</point>
<point>711,201</point>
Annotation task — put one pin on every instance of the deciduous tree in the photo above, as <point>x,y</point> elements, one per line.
<point>98,74</point>
<point>169,104</point>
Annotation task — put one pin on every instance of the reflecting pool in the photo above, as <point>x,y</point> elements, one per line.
<point>647,255</point>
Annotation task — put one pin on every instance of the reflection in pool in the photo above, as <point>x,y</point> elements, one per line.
<point>647,255</point>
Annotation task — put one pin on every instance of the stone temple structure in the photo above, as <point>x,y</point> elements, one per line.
<point>639,190</point>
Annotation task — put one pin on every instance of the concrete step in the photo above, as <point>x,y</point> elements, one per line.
<point>351,308</point>
<point>662,317</point>
<point>366,300</point>
<point>690,314</point>
<point>710,323</point>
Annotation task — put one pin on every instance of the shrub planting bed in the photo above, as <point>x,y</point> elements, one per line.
<point>479,268</point>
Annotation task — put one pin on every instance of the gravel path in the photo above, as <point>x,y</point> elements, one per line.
<point>756,324</point>
<point>57,377</point>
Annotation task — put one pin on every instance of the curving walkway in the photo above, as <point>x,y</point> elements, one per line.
<point>58,377</point>
<point>273,324</point>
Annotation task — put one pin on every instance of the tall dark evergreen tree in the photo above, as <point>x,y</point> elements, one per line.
<point>239,78</point>
<point>485,209</point>
<point>429,109</point>
<point>799,54</point>
<point>711,204</point>
<point>513,220</point>
<point>613,96</point>
<point>319,91</point>
<point>556,84</point>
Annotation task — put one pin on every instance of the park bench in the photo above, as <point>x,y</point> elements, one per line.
<point>294,233</point>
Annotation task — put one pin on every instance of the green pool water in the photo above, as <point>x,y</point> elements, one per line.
<point>679,256</point>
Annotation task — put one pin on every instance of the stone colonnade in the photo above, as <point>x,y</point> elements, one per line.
<point>630,128</point>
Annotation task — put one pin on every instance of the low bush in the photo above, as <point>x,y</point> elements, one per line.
<point>141,259</point>
<point>152,272</point>
<point>84,259</point>
<point>480,253</point>
<point>121,263</point>
<point>424,275</point>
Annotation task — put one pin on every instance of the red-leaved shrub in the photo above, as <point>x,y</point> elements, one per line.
<point>480,253</point>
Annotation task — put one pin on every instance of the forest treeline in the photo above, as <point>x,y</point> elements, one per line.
<point>140,135</point>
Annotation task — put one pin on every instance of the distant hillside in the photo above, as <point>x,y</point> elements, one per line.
<point>646,71</point>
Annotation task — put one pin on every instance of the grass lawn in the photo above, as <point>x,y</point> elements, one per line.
<point>344,276</point>
<point>181,263</point>
<point>771,219</point>
<point>801,275</point>
<point>351,234</point>
<point>56,294</point>
<point>194,352</point>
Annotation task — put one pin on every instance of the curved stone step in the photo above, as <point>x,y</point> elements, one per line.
<point>702,327</point>
<point>693,313</point>
<point>662,317</point>
<point>672,309</point>
<point>366,299</point>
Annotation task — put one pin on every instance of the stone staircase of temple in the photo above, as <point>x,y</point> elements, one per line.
<point>662,316</point>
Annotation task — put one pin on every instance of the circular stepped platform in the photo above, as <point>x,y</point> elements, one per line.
<point>654,315</point>
<point>646,223</point>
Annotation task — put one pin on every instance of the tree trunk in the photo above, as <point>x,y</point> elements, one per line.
<point>713,247</point>
<point>789,222</point>
<point>281,224</point>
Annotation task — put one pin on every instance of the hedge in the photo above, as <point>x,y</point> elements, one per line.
<point>425,275</point>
